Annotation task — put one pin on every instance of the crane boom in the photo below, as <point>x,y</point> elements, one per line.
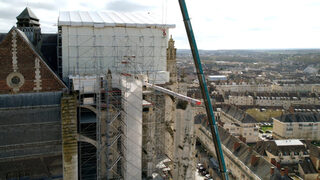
<point>174,94</point>
<point>204,90</point>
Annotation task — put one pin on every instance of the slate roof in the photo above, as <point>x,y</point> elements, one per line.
<point>244,153</point>
<point>308,167</point>
<point>30,124</point>
<point>27,14</point>
<point>34,166</point>
<point>30,99</point>
<point>299,117</point>
<point>199,118</point>
<point>48,49</point>
<point>238,114</point>
<point>2,35</point>
<point>314,151</point>
<point>262,146</point>
<point>277,176</point>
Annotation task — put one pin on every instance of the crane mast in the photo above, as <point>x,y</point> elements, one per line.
<point>204,90</point>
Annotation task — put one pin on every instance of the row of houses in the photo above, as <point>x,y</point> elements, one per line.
<point>296,157</point>
<point>285,101</point>
<point>286,158</point>
<point>300,125</point>
<point>269,88</point>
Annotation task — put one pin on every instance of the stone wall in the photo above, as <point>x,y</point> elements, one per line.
<point>69,137</point>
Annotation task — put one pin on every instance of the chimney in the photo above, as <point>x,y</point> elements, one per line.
<point>273,161</point>
<point>291,110</point>
<point>244,140</point>
<point>271,170</point>
<point>278,165</point>
<point>236,146</point>
<point>286,170</point>
<point>254,159</point>
<point>282,172</point>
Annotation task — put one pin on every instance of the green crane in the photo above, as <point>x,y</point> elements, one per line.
<point>204,90</point>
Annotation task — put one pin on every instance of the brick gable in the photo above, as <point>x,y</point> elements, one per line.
<point>22,68</point>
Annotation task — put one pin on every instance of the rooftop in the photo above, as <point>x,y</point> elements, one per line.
<point>308,167</point>
<point>288,142</point>
<point>27,14</point>
<point>271,146</point>
<point>299,117</point>
<point>110,19</point>
<point>238,114</point>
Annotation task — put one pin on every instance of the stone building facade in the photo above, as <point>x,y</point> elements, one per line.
<point>297,125</point>
<point>239,123</point>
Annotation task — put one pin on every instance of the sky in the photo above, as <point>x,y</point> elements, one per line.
<point>217,24</point>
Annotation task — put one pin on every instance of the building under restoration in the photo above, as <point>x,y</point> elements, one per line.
<point>91,41</point>
<point>102,122</point>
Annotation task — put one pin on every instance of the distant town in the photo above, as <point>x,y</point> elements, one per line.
<point>268,100</point>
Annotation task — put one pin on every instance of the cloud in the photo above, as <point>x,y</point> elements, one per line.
<point>230,19</point>
<point>256,29</point>
<point>270,18</point>
<point>127,6</point>
<point>8,14</point>
<point>217,25</point>
<point>44,5</point>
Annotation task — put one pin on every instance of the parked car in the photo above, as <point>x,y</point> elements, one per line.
<point>199,165</point>
<point>208,176</point>
<point>201,169</point>
<point>270,137</point>
<point>260,131</point>
<point>203,173</point>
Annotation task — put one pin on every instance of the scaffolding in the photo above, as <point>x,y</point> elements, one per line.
<point>77,48</point>
<point>132,54</point>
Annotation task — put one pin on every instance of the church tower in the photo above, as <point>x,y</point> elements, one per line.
<point>171,61</point>
<point>28,23</point>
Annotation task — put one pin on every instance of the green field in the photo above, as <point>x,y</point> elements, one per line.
<point>266,128</point>
<point>263,116</point>
<point>316,143</point>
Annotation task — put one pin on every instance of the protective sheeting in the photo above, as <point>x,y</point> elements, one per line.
<point>95,42</point>
<point>87,51</point>
<point>29,99</point>
<point>110,18</point>
<point>132,105</point>
<point>84,84</point>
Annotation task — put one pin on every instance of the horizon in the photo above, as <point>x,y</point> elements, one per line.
<point>217,25</point>
<point>270,49</point>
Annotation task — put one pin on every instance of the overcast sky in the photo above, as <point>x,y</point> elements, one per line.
<point>218,24</point>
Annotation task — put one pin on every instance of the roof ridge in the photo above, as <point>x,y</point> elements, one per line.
<point>26,14</point>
